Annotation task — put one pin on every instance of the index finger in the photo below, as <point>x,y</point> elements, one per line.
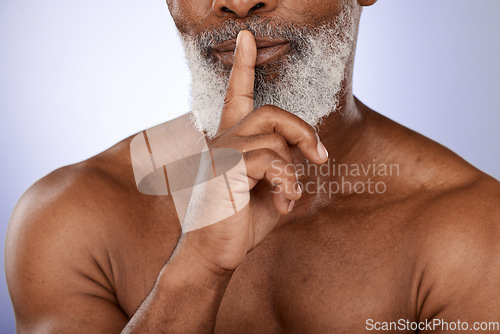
<point>239,95</point>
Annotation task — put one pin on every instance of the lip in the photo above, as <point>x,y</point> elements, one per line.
<point>268,50</point>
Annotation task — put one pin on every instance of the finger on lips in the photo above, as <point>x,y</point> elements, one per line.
<point>239,94</point>
<point>267,132</point>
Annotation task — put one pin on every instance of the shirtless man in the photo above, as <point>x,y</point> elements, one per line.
<point>86,252</point>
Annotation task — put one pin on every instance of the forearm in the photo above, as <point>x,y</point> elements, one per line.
<point>185,298</point>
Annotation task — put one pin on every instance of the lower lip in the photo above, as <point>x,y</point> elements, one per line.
<point>264,55</point>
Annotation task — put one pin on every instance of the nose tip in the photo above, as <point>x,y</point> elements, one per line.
<point>242,8</point>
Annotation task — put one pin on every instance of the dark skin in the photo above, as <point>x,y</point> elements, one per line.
<point>86,252</point>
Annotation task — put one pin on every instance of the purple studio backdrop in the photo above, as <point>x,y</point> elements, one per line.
<point>77,77</point>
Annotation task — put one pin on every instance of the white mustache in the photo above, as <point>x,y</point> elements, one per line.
<point>309,82</point>
<point>258,26</point>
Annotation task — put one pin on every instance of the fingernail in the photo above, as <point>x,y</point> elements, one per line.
<point>299,189</point>
<point>290,206</point>
<point>322,152</point>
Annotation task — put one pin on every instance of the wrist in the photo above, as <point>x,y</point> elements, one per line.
<point>188,268</point>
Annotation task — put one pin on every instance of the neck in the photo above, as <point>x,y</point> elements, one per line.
<point>341,130</point>
<point>343,134</point>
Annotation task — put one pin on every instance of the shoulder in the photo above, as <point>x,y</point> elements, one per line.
<point>89,204</point>
<point>56,246</point>
<point>458,233</point>
<point>71,206</point>
<point>464,217</point>
<point>452,227</point>
<point>74,194</point>
<point>65,250</point>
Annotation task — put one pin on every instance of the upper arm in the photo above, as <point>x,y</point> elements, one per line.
<point>56,266</point>
<point>461,279</point>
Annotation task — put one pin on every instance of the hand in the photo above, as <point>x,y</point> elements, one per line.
<point>264,137</point>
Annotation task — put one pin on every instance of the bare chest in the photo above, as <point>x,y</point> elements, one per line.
<point>314,275</point>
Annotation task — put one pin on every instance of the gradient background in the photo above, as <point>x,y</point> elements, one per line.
<point>77,77</point>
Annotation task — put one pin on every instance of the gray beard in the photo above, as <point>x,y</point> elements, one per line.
<point>309,80</point>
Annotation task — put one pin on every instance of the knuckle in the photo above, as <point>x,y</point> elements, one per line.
<point>228,101</point>
<point>308,134</point>
<point>248,156</point>
<point>271,110</point>
<point>311,135</point>
<point>231,100</point>
<point>267,111</point>
<point>242,66</point>
<point>278,141</point>
<point>268,154</point>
